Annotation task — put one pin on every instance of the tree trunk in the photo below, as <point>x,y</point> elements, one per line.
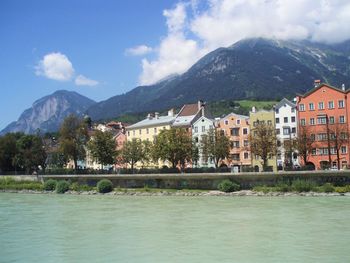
<point>338,159</point>
<point>75,164</point>
<point>132,166</point>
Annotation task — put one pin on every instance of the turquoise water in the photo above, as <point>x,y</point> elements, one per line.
<point>65,228</point>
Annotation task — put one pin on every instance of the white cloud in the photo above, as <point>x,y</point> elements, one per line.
<point>138,50</point>
<point>55,66</point>
<point>81,80</point>
<point>193,30</point>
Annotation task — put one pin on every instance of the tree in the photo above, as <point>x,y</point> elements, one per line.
<point>133,152</point>
<point>73,138</point>
<point>263,142</point>
<point>102,147</point>
<point>303,143</point>
<point>338,137</point>
<point>8,151</point>
<point>30,153</point>
<point>173,145</point>
<point>215,146</point>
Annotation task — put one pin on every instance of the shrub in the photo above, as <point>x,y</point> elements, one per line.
<point>62,187</point>
<point>303,185</point>
<point>86,187</point>
<point>104,186</point>
<point>74,187</point>
<point>282,187</point>
<point>50,185</point>
<point>342,189</point>
<point>327,188</point>
<point>262,188</point>
<point>228,186</point>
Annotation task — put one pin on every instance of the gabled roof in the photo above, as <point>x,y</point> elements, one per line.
<point>283,102</point>
<point>235,115</point>
<point>204,117</point>
<point>188,110</point>
<point>320,86</point>
<point>161,120</point>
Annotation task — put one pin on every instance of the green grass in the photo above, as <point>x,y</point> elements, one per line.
<point>10,184</point>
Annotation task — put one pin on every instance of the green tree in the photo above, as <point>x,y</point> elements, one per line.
<point>174,145</point>
<point>30,153</point>
<point>8,151</point>
<point>102,147</point>
<point>215,146</point>
<point>73,138</point>
<point>132,152</point>
<point>263,142</point>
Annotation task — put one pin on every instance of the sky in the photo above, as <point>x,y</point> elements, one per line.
<point>102,48</point>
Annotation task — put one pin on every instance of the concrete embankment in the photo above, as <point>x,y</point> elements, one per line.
<point>207,181</point>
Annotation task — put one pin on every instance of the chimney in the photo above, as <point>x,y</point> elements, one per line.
<point>149,116</point>
<point>295,99</point>
<point>343,87</point>
<point>200,104</point>
<point>171,113</point>
<point>253,109</point>
<point>156,115</point>
<point>317,83</point>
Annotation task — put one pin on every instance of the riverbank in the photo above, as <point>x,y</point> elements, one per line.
<point>166,192</point>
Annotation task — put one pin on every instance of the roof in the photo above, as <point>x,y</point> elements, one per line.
<point>235,115</point>
<point>320,86</point>
<point>161,120</point>
<point>203,117</point>
<point>283,102</point>
<point>183,120</point>
<point>188,110</point>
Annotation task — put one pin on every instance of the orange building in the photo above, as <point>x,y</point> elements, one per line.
<point>236,128</point>
<point>323,116</point>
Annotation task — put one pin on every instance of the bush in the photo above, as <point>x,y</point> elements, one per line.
<point>327,188</point>
<point>74,187</point>
<point>303,185</point>
<point>263,188</point>
<point>282,187</point>
<point>104,186</point>
<point>342,189</point>
<point>50,185</point>
<point>228,186</point>
<point>62,187</point>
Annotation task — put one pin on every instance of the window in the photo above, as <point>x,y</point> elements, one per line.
<point>277,120</point>
<point>285,119</point>
<point>235,157</point>
<point>133,133</point>
<point>147,131</point>
<point>313,151</point>
<point>235,144</point>
<point>302,122</point>
<point>277,111</point>
<point>226,122</point>
<point>279,144</point>
<point>155,130</point>
<point>343,149</point>
<point>128,133</point>
<point>235,132</point>
<point>330,104</point>
<point>286,131</point>
<point>238,122</point>
<point>312,137</point>
<point>245,131</point>
<point>245,143</point>
<point>140,131</point>
<point>323,151</point>
<point>203,128</point>
<point>196,139</point>
<point>278,131</point>
<point>311,106</point>
<point>322,120</point>
<point>246,155</point>
<point>269,122</point>
<point>196,129</point>
<point>294,130</point>
<point>312,121</point>
<point>301,107</point>
<point>292,110</point>
<point>340,104</point>
<point>320,105</point>
<point>341,119</point>
<point>322,136</point>
<point>331,119</point>
<point>293,119</point>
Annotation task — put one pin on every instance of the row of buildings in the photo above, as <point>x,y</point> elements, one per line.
<point>319,112</point>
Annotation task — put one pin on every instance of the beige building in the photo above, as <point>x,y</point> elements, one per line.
<point>267,117</point>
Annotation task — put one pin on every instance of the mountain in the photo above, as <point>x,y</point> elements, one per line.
<point>254,68</point>
<point>48,112</point>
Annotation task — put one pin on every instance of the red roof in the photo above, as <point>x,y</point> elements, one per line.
<point>189,110</point>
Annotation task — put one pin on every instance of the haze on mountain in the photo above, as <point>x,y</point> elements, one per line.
<point>47,113</point>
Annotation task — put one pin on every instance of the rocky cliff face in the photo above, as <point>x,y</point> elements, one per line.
<point>47,113</point>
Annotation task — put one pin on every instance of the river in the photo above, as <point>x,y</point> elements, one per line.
<point>69,228</point>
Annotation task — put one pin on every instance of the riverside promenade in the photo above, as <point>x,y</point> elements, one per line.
<point>208,181</point>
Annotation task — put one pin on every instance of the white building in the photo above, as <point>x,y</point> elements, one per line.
<point>286,130</point>
<point>199,128</point>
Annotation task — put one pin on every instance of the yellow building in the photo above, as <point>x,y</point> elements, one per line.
<point>148,129</point>
<point>267,117</point>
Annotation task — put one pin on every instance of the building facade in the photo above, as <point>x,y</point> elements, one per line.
<point>323,115</point>
<point>267,117</point>
<point>236,128</point>
<point>286,132</point>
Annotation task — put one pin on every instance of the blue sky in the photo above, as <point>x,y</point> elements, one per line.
<point>102,48</point>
